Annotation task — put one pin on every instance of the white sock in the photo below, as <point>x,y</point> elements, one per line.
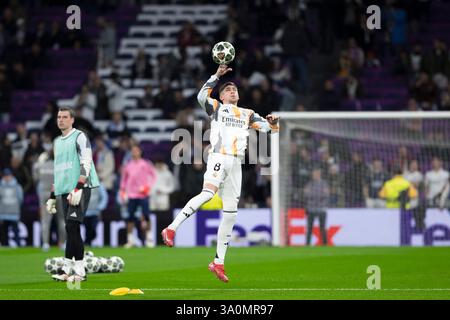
<point>130,238</point>
<point>191,207</point>
<point>149,236</point>
<point>224,235</point>
<point>79,268</point>
<point>68,266</point>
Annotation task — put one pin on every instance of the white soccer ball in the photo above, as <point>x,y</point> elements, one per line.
<point>92,264</point>
<point>223,52</point>
<point>108,265</point>
<point>89,254</point>
<point>54,265</point>
<point>118,263</point>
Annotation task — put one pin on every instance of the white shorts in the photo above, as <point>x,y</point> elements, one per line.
<point>224,172</point>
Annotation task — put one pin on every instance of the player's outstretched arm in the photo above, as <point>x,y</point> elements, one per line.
<point>269,124</point>
<point>204,96</point>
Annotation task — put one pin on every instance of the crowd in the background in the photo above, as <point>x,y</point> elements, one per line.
<point>267,82</point>
<point>355,180</point>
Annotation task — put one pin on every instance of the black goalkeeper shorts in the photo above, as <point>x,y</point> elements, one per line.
<point>76,213</point>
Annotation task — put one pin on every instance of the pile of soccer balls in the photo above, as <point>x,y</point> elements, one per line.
<point>92,264</point>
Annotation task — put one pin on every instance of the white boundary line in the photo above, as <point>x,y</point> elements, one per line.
<point>236,289</point>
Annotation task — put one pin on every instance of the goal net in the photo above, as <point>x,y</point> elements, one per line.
<point>354,153</point>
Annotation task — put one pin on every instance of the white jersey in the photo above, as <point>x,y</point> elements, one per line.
<point>230,124</point>
<point>436,181</point>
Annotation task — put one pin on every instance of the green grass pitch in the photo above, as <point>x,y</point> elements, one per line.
<point>264,273</point>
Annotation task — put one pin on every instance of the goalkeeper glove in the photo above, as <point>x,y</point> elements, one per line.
<point>51,203</point>
<point>74,196</point>
<point>145,190</point>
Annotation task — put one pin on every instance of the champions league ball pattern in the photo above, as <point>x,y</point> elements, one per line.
<point>91,263</point>
<point>223,52</point>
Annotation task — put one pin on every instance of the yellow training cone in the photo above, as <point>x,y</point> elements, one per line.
<point>119,292</point>
<point>135,291</point>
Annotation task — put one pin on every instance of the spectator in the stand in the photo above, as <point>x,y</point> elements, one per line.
<point>423,89</point>
<point>49,118</point>
<point>56,36</point>
<point>398,30</point>
<point>97,203</point>
<point>167,67</point>
<point>352,88</point>
<point>147,101</point>
<point>344,65</point>
<point>269,94</point>
<point>106,42</point>
<point>165,98</point>
<point>438,64</point>
<point>3,41</point>
<point>179,103</point>
<point>21,77</point>
<point>416,60</point>
<point>329,99</point>
<point>35,58</point>
<point>122,150</point>
<point>162,189</point>
<point>117,126</point>
<point>20,144</point>
<point>98,89</point>
<point>335,180</point>
<point>104,162</point>
<point>317,196</point>
<point>87,102</point>
<point>280,73</point>
<point>5,151</point>
<point>295,41</point>
<point>46,141</point>
<point>354,179</point>
<point>444,102</point>
<point>435,182</point>
<point>356,55</point>
<point>43,170</point>
<point>9,21</point>
<point>5,97</point>
<point>415,177</point>
<point>33,151</point>
<point>11,200</point>
<point>374,181</point>
<point>259,103</point>
<point>41,35</point>
<point>401,160</point>
<point>22,174</point>
<point>141,69</point>
<point>115,93</point>
<point>302,173</point>
<point>83,124</point>
<point>188,36</point>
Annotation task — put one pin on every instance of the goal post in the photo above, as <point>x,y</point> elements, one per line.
<point>347,148</point>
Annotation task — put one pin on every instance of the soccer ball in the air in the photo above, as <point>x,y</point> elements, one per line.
<point>54,265</point>
<point>92,264</point>
<point>223,52</point>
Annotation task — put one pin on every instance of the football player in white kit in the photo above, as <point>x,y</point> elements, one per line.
<point>229,131</point>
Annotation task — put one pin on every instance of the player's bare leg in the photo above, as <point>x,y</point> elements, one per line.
<point>168,234</point>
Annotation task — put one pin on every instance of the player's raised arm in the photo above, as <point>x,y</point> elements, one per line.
<point>204,96</point>
<point>269,124</point>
